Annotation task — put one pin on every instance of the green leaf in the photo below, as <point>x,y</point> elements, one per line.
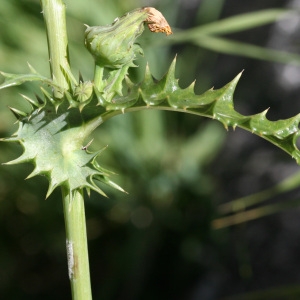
<point>18,79</point>
<point>53,139</point>
<point>166,94</point>
<point>53,135</point>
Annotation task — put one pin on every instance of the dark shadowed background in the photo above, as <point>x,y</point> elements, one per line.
<point>160,241</point>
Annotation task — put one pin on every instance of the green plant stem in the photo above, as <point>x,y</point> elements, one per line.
<point>78,262</point>
<point>98,77</point>
<point>77,250</point>
<point>55,20</point>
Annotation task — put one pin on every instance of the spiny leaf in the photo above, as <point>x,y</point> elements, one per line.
<point>166,94</point>
<point>54,134</point>
<point>18,113</point>
<point>17,79</point>
<point>280,129</point>
<point>52,139</point>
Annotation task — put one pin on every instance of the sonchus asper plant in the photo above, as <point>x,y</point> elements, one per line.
<point>56,133</point>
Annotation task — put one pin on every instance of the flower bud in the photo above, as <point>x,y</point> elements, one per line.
<point>112,46</point>
<point>83,91</point>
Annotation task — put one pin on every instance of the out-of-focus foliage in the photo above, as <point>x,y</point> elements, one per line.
<point>156,242</point>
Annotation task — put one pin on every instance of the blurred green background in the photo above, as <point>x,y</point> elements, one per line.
<point>161,241</point>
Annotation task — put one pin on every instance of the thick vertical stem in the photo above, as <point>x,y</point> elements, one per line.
<point>77,250</point>
<point>55,20</point>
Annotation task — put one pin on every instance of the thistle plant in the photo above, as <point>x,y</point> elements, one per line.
<point>57,132</point>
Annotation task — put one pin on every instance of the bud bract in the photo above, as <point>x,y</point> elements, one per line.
<point>112,46</point>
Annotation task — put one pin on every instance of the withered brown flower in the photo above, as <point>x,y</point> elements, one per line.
<point>156,22</point>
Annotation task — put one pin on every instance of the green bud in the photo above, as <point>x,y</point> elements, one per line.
<point>112,46</point>
<point>83,91</point>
